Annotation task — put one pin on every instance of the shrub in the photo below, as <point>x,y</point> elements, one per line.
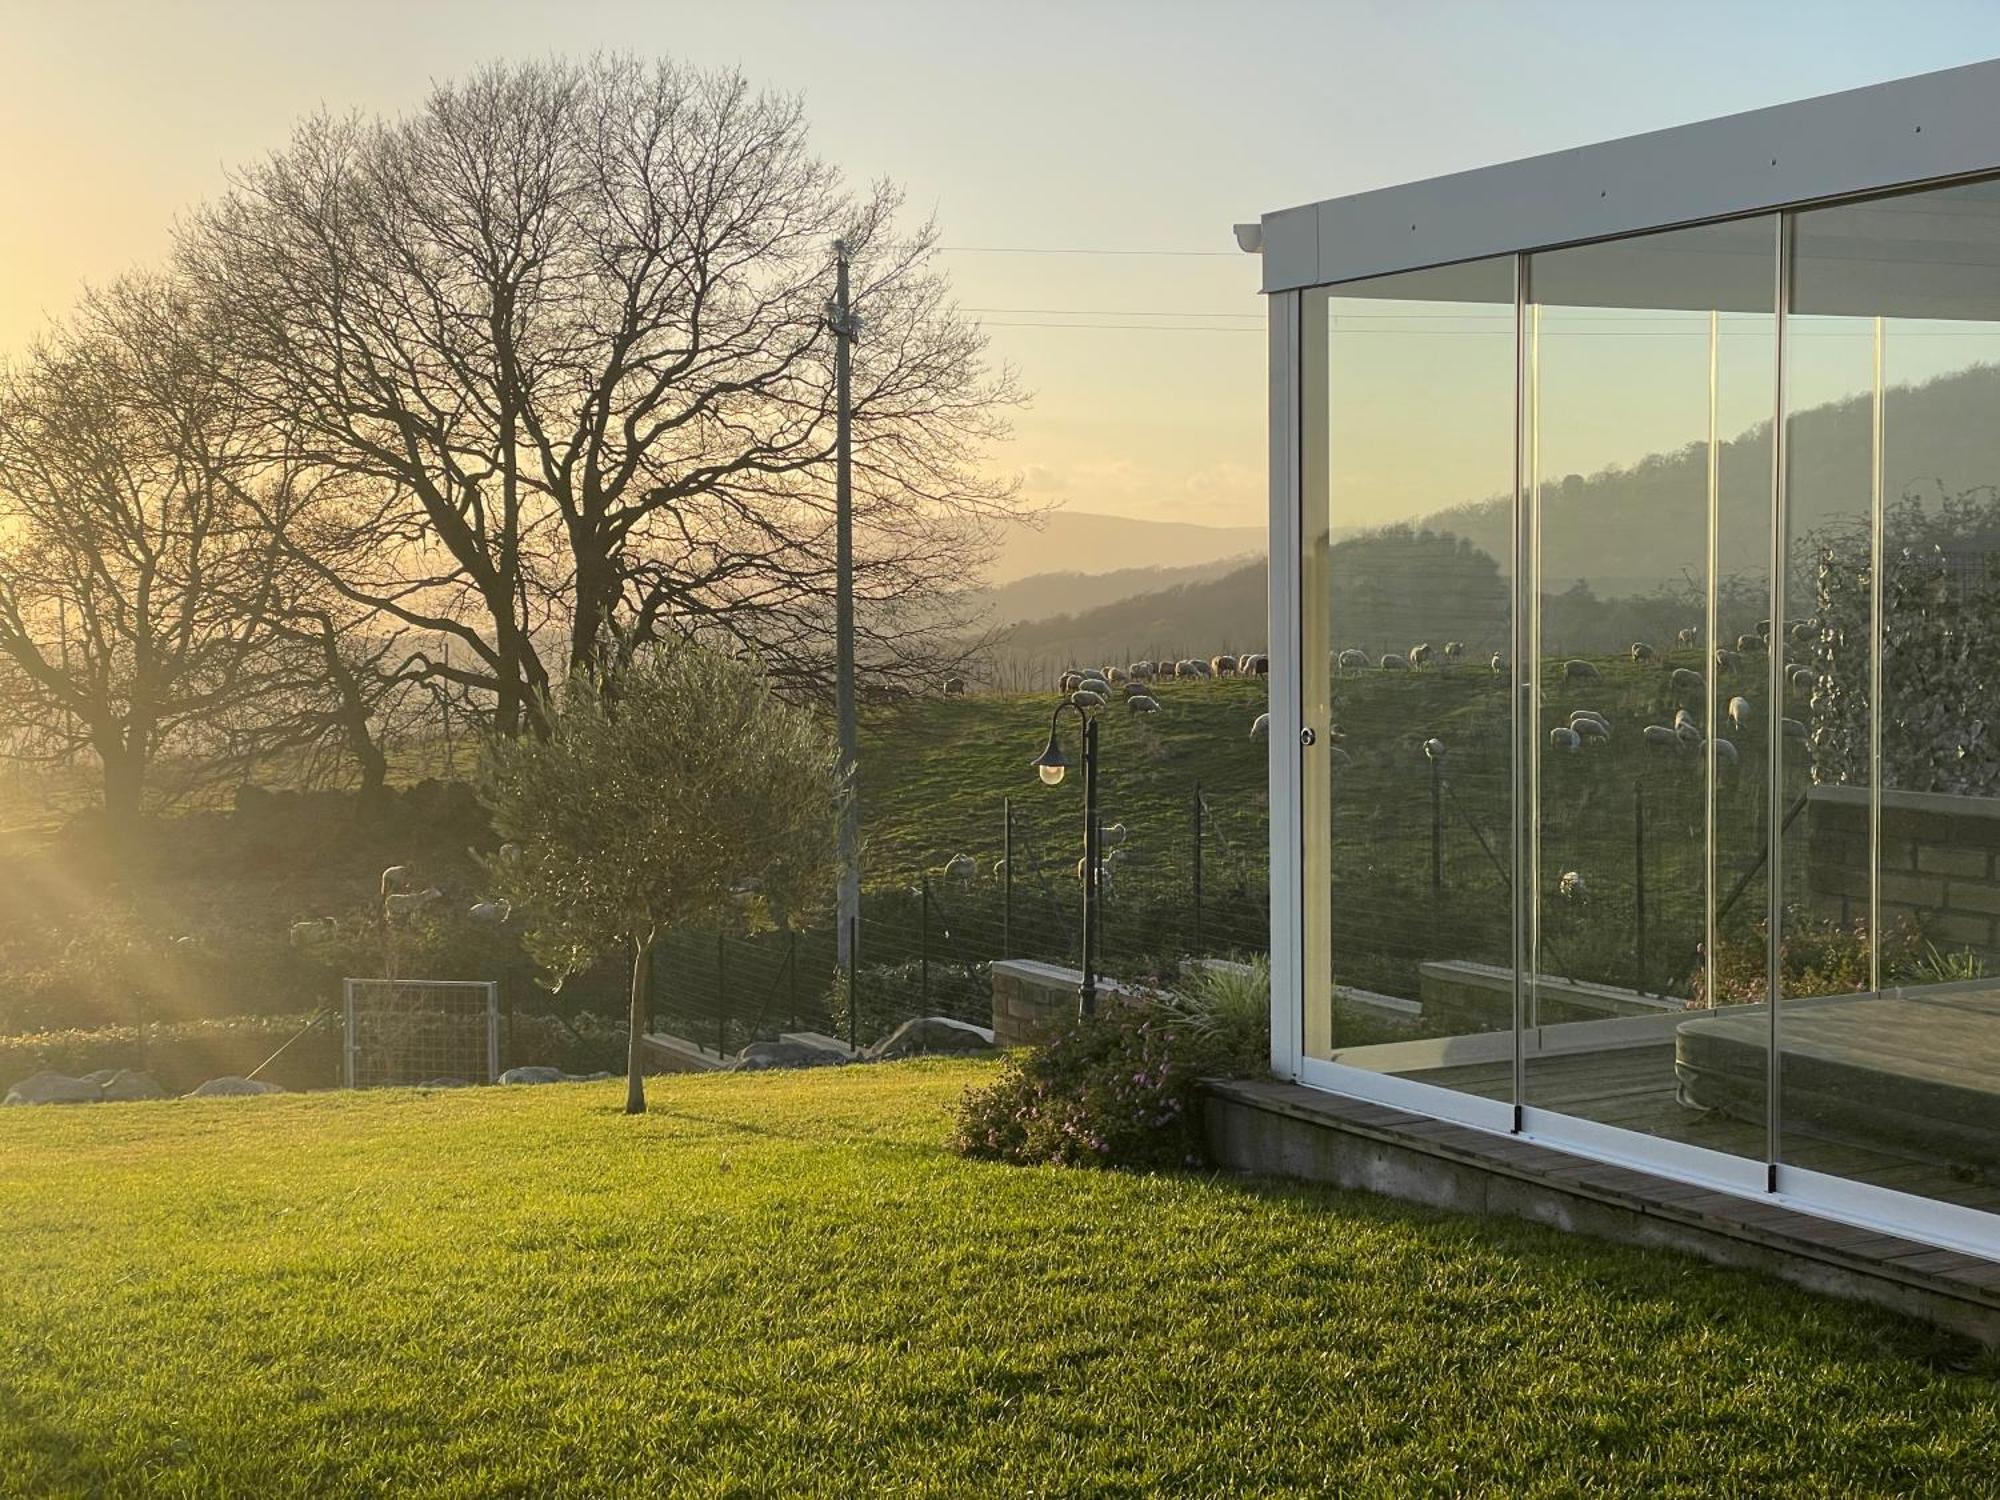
<point>1120,1089</point>
<point>1226,1010</point>
<point>1818,956</point>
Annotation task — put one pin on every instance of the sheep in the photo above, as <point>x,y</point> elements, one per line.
<point>1562,737</point>
<point>494,913</point>
<point>395,878</point>
<point>1727,660</point>
<point>1685,681</point>
<point>1069,682</point>
<point>1748,645</point>
<point>1687,635</point>
<point>1420,654</point>
<point>1802,679</point>
<point>1641,651</point>
<point>1434,749</point>
<point>1578,670</point>
<point>1391,662</point>
<point>1260,726</point>
<point>1094,684</point>
<point>1111,836</point>
<point>1801,632</point>
<point>954,687</point>
<point>1243,664</point>
<point>1792,729</point>
<point>1141,671</point>
<point>1571,886</point>
<point>1764,629</point>
<point>1499,662</point>
<point>1083,699</point>
<point>1353,659</point>
<point>1660,734</point>
<point>1590,729</point>
<point>409,903</point>
<point>1222,666</point>
<point>1453,650</point>
<point>311,930</point>
<point>1686,730</point>
<point>1739,711</point>
<point>1259,664</point>
<point>1117,674</point>
<point>1193,668</point>
<point>1591,714</point>
<point>1143,703</point>
<point>960,867</point>
<point>1725,752</point>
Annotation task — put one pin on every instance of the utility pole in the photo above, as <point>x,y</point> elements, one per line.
<point>848,909</point>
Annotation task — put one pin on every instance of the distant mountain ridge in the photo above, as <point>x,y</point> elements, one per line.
<point>1071,541</point>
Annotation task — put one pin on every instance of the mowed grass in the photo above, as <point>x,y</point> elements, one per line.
<point>785,1285</point>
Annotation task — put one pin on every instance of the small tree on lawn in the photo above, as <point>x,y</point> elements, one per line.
<point>685,794</point>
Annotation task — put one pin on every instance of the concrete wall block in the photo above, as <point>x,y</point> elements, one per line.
<point>1959,860</point>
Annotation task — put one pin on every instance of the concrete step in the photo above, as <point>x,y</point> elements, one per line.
<point>666,1053</point>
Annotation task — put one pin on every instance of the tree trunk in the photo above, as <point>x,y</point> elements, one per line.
<point>124,785</point>
<point>635,1072</point>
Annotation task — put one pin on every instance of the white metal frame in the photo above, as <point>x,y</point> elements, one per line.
<point>349,1051</point>
<point>1916,133</point>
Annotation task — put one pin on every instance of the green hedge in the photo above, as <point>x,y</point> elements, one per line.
<point>184,1054</point>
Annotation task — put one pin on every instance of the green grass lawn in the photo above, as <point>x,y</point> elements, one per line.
<point>784,1284</point>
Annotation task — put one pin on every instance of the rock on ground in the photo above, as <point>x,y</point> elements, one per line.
<point>548,1075</point>
<point>234,1088</point>
<point>929,1035</point>
<point>53,1088</point>
<point>128,1085</point>
<point>758,1056</point>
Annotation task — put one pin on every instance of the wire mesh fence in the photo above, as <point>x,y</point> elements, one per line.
<point>1196,885</point>
<point>408,1031</point>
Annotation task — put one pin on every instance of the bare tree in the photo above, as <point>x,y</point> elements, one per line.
<point>568,321</point>
<point>126,546</point>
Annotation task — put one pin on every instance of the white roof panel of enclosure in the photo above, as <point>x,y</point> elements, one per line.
<point>1937,126</point>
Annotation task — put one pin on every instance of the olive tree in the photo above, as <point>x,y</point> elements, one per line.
<point>681,793</point>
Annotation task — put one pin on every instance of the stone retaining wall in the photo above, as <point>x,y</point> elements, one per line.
<point>1940,863</point>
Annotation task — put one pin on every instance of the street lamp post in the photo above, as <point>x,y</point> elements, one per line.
<point>1051,764</point>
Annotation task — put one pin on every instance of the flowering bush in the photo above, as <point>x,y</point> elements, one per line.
<point>1117,1090</point>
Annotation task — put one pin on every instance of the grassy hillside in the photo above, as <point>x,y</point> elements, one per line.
<point>783,1284</point>
<point>1201,618</point>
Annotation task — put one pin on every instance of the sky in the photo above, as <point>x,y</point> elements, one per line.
<point>1145,129</point>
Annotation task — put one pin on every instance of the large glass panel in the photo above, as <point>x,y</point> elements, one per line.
<point>1651,384</point>
<point>1889,1021</point>
<point>1408,541</point>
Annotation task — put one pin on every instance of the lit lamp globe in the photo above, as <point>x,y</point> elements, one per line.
<point>1051,763</point>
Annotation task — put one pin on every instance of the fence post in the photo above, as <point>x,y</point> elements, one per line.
<point>792,978</point>
<point>721,997</point>
<point>1195,821</point>
<point>853,984</point>
<point>924,946</point>
<point>1437,828</point>
<point>1007,877</point>
<point>1639,885</point>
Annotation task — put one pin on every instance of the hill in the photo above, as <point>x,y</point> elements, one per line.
<point>1202,617</point>
<point>1073,541</point>
<point>1044,595</point>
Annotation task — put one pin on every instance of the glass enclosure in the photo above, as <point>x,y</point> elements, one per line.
<point>1650,615</point>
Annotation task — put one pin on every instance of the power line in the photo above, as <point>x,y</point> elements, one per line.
<point>1112,312</point>
<point>1065,250</point>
